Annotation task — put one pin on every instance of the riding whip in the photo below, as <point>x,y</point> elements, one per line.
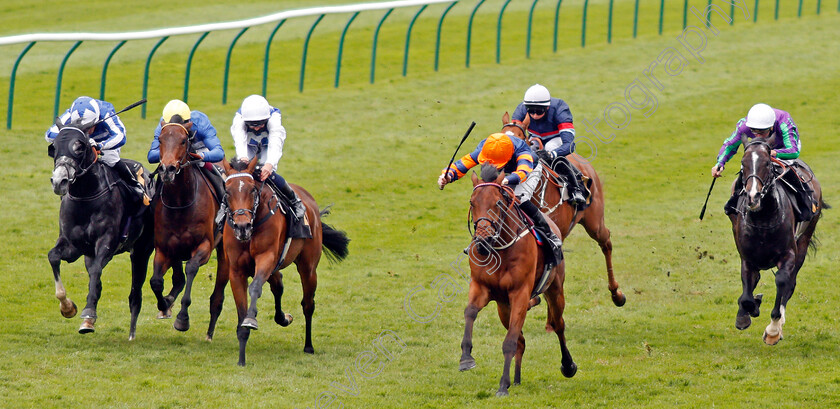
<point>134,105</point>
<point>703,212</point>
<point>472,125</point>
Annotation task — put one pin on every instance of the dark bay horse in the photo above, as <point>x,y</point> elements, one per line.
<point>548,197</point>
<point>767,235</point>
<point>257,246</point>
<point>185,230</point>
<point>97,221</point>
<point>505,264</point>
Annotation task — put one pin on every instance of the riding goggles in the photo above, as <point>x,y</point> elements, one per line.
<point>536,109</point>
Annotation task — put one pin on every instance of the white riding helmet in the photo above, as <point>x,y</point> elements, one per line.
<point>255,108</point>
<point>84,111</point>
<point>537,95</point>
<point>176,107</point>
<point>761,116</point>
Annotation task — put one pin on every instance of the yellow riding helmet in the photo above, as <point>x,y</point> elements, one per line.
<point>176,107</point>
<point>497,150</point>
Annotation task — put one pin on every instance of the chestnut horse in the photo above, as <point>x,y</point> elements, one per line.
<point>767,235</point>
<point>185,230</point>
<point>548,199</point>
<point>257,246</point>
<point>505,264</point>
<point>96,220</point>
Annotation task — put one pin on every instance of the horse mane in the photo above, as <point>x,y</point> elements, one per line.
<point>238,165</point>
<point>489,172</point>
<point>176,119</point>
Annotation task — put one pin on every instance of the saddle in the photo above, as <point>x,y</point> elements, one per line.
<point>796,178</point>
<point>298,229</point>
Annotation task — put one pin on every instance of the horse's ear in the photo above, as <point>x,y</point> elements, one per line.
<point>499,178</point>
<point>772,141</point>
<point>58,123</point>
<point>226,166</point>
<point>188,125</point>
<point>474,179</point>
<point>525,123</point>
<point>506,118</point>
<point>51,151</point>
<point>253,164</point>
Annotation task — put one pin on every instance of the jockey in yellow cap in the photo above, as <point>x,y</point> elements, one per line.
<point>514,157</point>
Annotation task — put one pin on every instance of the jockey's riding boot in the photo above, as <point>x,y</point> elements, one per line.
<point>291,196</point>
<point>215,179</point>
<point>731,206</point>
<point>562,166</point>
<point>124,170</point>
<point>540,223</point>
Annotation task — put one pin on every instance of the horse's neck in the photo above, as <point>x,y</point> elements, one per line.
<point>182,190</point>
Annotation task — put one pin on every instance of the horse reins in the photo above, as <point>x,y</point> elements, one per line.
<point>507,192</point>
<point>184,161</point>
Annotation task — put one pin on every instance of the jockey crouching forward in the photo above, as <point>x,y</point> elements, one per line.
<point>513,156</point>
<point>108,136</point>
<point>205,144</point>
<point>767,123</point>
<point>551,123</point>
<point>258,130</point>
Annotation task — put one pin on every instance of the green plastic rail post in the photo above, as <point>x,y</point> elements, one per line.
<point>499,32</point>
<point>609,22</point>
<point>635,18</point>
<point>341,47</point>
<point>799,11</point>
<point>146,75</point>
<point>105,69</point>
<point>556,24</point>
<point>530,25</point>
<point>189,65</point>
<point>685,14</point>
<point>469,31</point>
<point>661,15</point>
<point>818,6</point>
<point>305,49</point>
<point>60,74</point>
<point>12,84</point>
<point>755,12</point>
<point>437,39</point>
<point>583,24</point>
<point>408,38</point>
<point>732,13</point>
<point>776,14</point>
<point>265,58</point>
<point>375,40</point>
<point>227,64</point>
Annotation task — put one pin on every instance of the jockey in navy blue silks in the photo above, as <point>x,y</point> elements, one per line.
<point>551,123</point>
<point>108,136</point>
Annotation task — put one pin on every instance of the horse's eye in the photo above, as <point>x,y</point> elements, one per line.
<point>184,142</point>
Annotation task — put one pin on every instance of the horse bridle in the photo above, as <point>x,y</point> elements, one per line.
<point>184,161</point>
<point>84,157</point>
<point>767,184</point>
<point>230,213</point>
<point>495,225</point>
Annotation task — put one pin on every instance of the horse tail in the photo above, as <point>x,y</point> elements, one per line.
<point>335,242</point>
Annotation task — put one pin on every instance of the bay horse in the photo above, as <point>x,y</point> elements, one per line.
<point>548,198</point>
<point>509,280</point>
<point>256,243</point>
<point>767,235</point>
<point>185,229</point>
<point>96,220</point>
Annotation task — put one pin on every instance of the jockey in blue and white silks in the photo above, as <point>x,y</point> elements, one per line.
<point>108,136</point>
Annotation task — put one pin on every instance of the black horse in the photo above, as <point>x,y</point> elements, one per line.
<point>767,235</point>
<point>96,220</point>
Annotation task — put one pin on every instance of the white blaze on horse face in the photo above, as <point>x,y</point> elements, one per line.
<point>754,188</point>
<point>241,185</point>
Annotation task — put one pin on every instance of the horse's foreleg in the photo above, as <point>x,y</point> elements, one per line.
<point>239,288</point>
<point>479,296</point>
<point>556,300</point>
<point>276,282</point>
<point>199,258</point>
<point>161,264</point>
<point>510,346</point>
<point>264,264</point>
<point>94,267</point>
<point>217,299</point>
<point>596,229</point>
<point>747,304</point>
<point>63,251</point>
<point>785,283</point>
<point>504,316</point>
<point>139,264</point>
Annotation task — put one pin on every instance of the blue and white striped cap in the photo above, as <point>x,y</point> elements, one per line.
<point>84,111</point>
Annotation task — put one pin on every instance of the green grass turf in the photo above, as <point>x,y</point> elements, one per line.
<point>375,152</point>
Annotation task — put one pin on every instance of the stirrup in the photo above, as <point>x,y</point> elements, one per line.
<point>578,198</point>
<point>220,216</point>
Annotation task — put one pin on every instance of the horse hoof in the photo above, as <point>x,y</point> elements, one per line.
<point>209,338</point>
<point>250,323</point>
<point>568,371</point>
<point>619,299</point>
<point>165,315</point>
<point>280,322</point>
<point>501,393</point>
<point>69,312</point>
<point>181,325</point>
<point>742,322</point>
<point>87,326</point>
<point>466,364</point>
<point>309,350</point>
<point>131,337</point>
<point>772,340</point>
